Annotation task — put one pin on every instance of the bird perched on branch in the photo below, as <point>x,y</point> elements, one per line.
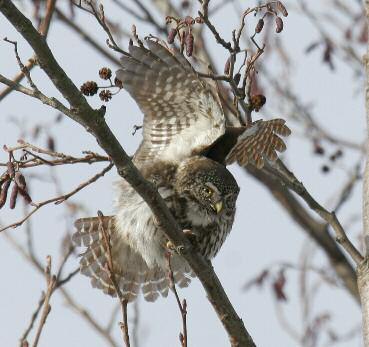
<point>185,149</point>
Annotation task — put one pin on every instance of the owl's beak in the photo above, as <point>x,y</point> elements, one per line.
<point>218,206</point>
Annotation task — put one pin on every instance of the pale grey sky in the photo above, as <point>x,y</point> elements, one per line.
<point>263,233</point>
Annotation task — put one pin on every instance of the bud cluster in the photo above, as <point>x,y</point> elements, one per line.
<point>274,9</point>
<point>19,186</point>
<point>91,88</point>
<point>331,159</point>
<point>183,31</point>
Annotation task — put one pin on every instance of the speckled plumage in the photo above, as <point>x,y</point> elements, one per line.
<point>184,126</point>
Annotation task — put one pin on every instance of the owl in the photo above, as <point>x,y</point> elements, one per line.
<point>184,152</point>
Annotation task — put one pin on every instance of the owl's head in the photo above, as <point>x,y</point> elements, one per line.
<point>208,184</point>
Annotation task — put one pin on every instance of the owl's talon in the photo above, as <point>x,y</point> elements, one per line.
<point>169,246</point>
<point>191,236</point>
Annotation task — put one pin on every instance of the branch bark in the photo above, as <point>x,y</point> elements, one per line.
<point>93,121</point>
<point>316,230</point>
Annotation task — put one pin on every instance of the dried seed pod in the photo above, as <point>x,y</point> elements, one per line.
<point>328,54</point>
<point>318,149</point>
<point>257,101</point>
<point>11,170</point>
<point>118,83</point>
<point>4,192</point>
<point>25,195</point>
<point>185,4</point>
<point>279,286</point>
<point>236,78</point>
<point>3,178</point>
<point>227,66</point>
<point>189,20</point>
<point>325,169</point>
<point>89,88</point>
<point>105,73</point>
<point>259,26</point>
<point>199,20</point>
<point>172,34</point>
<point>13,196</point>
<point>50,143</point>
<point>282,9</point>
<point>20,180</point>
<point>279,24</point>
<point>189,44</point>
<point>105,95</point>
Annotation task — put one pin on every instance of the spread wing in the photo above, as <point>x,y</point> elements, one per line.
<point>183,114</point>
<point>259,142</point>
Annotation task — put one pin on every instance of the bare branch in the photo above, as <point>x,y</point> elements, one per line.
<point>59,199</point>
<point>44,29</point>
<point>32,321</point>
<point>51,282</point>
<point>182,306</point>
<point>86,36</point>
<point>123,302</point>
<point>316,230</point>
<point>95,124</point>
<point>62,159</point>
<point>330,217</point>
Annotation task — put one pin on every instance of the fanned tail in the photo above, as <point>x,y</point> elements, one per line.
<point>130,270</point>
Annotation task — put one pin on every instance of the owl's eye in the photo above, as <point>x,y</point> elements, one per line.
<point>207,191</point>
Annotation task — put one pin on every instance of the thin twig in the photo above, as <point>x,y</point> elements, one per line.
<point>94,122</point>
<point>63,159</point>
<point>288,178</point>
<point>59,199</point>
<point>123,302</point>
<point>51,282</point>
<point>88,317</point>
<point>44,30</point>
<point>182,306</point>
<point>86,36</point>
<point>32,321</point>
<point>24,69</point>
<point>100,17</point>
<point>31,257</point>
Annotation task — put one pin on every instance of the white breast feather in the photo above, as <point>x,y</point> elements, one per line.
<point>135,223</point>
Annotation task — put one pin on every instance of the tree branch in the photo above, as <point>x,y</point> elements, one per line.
<point>93,122</point>
<point>44,29</point>
<point>59,199</point>
<point>316,230</point>
<point>289,179</point>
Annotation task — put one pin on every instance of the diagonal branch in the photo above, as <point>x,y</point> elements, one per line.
<point>44,29</point>
<point>289,179</point>
<point>316,230</point>
<point>93,122</point>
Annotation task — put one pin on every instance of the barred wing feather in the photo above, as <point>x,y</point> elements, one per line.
<point>182,113</point>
